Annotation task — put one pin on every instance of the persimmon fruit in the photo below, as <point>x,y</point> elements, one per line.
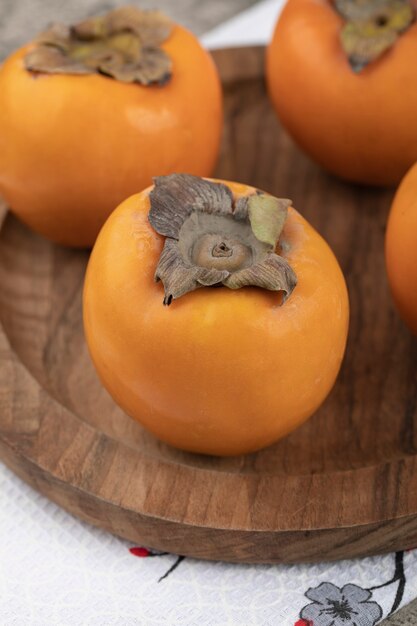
<point>226,368</point>
<point>342,81</point>
<point>401,249</point>
<point>86,119</point>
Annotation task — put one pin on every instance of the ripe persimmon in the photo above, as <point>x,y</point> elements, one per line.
<point>343,82</point>
<point>223,370</point>
<point>401,249</point>
<point>89,114</point>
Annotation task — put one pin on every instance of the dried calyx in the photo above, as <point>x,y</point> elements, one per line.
<point>123,44</point>
<point>213,240</point>
<point>372,27</point>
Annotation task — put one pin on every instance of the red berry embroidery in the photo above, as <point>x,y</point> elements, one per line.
<point>138,551</point>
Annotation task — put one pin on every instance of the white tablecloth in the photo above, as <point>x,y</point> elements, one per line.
<point>56,570</point>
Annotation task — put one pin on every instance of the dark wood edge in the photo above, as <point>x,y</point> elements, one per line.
<point>213,543</point>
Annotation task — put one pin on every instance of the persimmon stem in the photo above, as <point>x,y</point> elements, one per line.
<point>372,27</point>
<point>221,250</point>
<point>213,239</point>
<point>124,44</point>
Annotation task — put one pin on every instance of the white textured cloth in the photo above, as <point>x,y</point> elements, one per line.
<point>58,571</point>
<point>250,28</point>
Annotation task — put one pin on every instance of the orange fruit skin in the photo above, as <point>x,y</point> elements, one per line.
<point>401,249</point>
<point>219,371</point>
<point>362,126</point>
<point>73,147</point>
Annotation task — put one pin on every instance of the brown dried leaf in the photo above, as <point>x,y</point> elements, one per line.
<point>154,28</point>
<point>56,35</point>
<point>90,29</point>
<point>126,18</point>
<point>362,48</point>
<point>274,273</point>
<point>123,72</point>
<point>174,197</point>
<point>241,208</point>
<point>51,60</point>
<point>154,67</point>
<point>127,44</point>
<point>179,277</point>
<point>372,27</point>
<point>122,44</point>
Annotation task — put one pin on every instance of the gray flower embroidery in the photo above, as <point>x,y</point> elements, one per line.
<point>348,606</point>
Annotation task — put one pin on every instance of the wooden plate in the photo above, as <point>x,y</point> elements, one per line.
<point>343,485</point>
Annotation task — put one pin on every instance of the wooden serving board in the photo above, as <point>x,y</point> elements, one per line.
<point>343,485</point>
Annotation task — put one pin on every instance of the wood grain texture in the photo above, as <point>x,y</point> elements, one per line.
<point>343,485</point>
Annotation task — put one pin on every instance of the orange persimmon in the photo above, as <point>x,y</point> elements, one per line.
<point>343,82</point>
<point>401,249</point>
<point>219,371</point>
<point>79,133</point>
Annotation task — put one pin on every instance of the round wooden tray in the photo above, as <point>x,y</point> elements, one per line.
<point>343,485</point>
